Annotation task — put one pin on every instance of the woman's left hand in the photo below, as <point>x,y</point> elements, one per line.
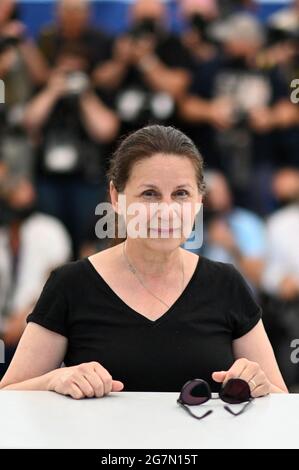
<point>249,371</point>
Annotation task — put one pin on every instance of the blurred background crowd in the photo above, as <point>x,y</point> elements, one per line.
<point>215,69</point>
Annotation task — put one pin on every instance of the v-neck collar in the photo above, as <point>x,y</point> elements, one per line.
<point>123,304</point>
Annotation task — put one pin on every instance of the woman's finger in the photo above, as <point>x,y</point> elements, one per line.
<point>236,369</point>
<point>257,380</point>
<point>105,377</point>
<point>250,371</point>
<point>260,391</point>
<point>96,383</point>
<point>75,392</point>
<point>84,385</point>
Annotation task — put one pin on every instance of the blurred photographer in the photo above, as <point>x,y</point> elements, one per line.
<point>237,108</point>
<point>73,26</point>
<point>149,69</point>
<point>197,16</point>
<point>71,127</point>
<point>31,244</point>
<point>232,234</point>
<point>22,68</point>
<point>282,48</point>
<point>280,279</point>
<point>16,46</point>
<point>281,276</point>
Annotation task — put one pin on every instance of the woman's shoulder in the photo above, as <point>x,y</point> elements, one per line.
<point>219,276</point>
<point>69,273</point>
<point>77,272</point>
<point>218,268</point>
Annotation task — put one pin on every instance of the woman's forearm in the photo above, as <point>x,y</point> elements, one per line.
<point>40,383</point>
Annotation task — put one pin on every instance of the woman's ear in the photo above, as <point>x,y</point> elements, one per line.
<point>199,204</point>
<point>114,197</point>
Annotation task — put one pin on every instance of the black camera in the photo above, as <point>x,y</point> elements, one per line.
<point>6,42</point>
<point>145,27</point>
<point>200,25</point>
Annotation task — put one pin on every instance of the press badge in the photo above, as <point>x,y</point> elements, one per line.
<point>61,158</point>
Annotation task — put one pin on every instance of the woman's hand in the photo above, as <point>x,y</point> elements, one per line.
<point>89,379</point>
<point>249,371</point>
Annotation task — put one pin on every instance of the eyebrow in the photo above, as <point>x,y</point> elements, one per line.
<point>156,187</point>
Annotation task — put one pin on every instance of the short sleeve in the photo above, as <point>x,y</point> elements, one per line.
<point>51,309</point>
<point>243,310</point>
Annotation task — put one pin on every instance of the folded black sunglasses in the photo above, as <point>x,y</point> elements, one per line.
<point>197,392</point>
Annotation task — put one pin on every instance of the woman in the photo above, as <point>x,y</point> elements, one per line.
<point>145,314</point>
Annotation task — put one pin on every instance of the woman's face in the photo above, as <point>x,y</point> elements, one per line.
<point>161,199</point>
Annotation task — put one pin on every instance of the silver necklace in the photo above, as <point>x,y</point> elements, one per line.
<point>135,272</point>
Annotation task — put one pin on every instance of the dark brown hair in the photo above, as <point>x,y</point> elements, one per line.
<point>146,142</point>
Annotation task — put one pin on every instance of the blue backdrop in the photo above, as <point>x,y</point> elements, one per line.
<point>111,15</point>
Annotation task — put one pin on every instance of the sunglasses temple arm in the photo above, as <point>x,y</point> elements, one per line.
<point>238,412</point>
<point>192,414</point>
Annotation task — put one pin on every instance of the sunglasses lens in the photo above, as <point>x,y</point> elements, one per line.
<point>195,392</point>
<point>235,391</point>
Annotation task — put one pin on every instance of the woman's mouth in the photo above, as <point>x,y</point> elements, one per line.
<point>164,231</point>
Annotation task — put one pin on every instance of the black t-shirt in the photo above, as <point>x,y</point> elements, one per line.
<point>191,340</point>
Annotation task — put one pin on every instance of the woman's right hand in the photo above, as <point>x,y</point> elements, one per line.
<point>89,379</point>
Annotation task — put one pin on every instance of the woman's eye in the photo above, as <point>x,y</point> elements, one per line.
<point>182,193</point>
<point>149,193</point>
